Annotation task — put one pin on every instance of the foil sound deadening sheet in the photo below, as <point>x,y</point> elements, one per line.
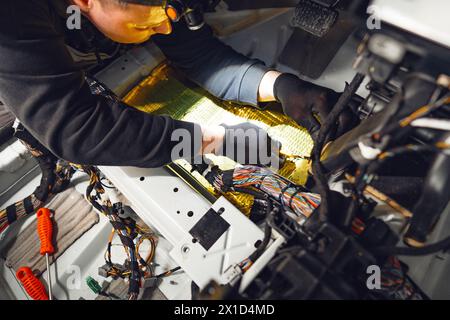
<point>165,92</point>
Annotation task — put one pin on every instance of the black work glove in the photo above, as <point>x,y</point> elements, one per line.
<point>306,103</point>
<point>249,144</point>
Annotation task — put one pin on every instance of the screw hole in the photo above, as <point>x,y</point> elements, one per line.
<point>178,212</point>
<point>175,190</point>
<point>142,178</point>
<point>190,214</point>
<point>194,240</point>
<point>221,210</point>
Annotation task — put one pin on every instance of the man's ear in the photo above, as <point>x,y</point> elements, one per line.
<point>85,5</point>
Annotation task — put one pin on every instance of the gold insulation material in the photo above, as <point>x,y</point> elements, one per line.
<point>166,92</point>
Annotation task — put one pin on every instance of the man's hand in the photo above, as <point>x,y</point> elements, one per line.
<point>244,143</point>
<point>306,103</point>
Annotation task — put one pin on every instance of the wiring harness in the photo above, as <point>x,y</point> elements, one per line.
<point>246,178</point>
<point>272,195</point>
<point>56,176</point>
<point>395,283</point>
<point>56,173</point>
<point>124,228</point>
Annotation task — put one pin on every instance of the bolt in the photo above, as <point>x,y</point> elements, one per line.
<point>185,249</point>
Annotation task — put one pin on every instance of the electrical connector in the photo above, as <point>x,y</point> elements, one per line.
<point>151,282</point>
<point>103,271</point>
<point>93,285</point>
<point>232,273</point>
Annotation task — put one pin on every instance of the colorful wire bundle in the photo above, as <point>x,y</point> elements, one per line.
<point>20,211</point>
<point>395,282</point>
<point>56,176</point>
<point>144,264</point>
<point>285,192</point>
<point>94,193</point>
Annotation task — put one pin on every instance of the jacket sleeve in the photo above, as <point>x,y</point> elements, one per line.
<point>212,64</point>
<point>41,85</point>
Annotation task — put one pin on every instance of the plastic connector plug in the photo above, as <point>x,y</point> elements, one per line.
<point>93,285</point>
<point>103,271</point>
<point>151,282</point>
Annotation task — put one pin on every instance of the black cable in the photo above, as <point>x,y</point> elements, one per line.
<point>371,169</point>
<point>118,224</point>
<point>106,186</point>
<point>318,170</point>
<point>407,251</point>
<point>267,234</point>
<point>167,273</point>
<point>257,194</point>
<point>395,152</point>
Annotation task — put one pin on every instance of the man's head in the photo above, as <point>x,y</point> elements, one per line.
<point>127,21</point>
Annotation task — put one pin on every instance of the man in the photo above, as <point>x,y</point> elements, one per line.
<point>41,83</point>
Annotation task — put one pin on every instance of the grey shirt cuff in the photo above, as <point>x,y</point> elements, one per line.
<point>249,86</point>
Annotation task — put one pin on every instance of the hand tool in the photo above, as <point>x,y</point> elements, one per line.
<point>31,283</point>
<point>45,232</point>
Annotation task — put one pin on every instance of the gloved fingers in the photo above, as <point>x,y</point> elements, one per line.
<point>325,104</point>
<point>347,121</point>
<point>349,118</point>
<point>199,161</point>
<point>271,155</point>
<point>319,111</point>
<point>249,144</point>
<point>310,123</point>
<point>355,102</point>
<point>277,160</point>
<point>344,124</point>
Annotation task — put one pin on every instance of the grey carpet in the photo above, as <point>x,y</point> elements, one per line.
<point>73,216</point>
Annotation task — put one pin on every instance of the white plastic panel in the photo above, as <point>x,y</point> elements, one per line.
<point>173,208</point>
<point>428,19</point>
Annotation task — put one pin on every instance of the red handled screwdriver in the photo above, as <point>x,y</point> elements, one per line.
<point>45,232</point>
<point>32,285</point>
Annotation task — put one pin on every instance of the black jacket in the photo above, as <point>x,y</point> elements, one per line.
<point>47,91</point>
